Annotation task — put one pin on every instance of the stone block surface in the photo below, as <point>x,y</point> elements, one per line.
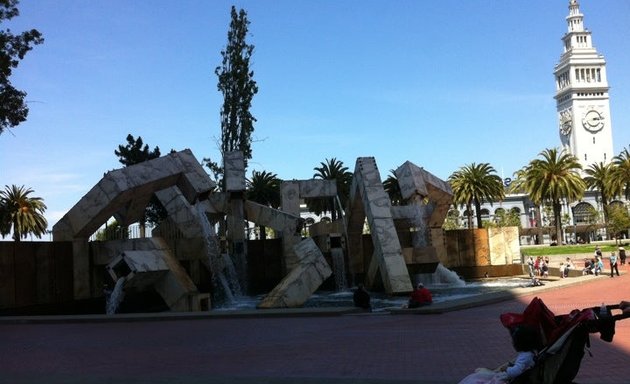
<point>304,279</point>
<point>234,169</point>
<point>130,186</point>
<point>290,197</point>
<point>272,218</point>
<point>317,188</point>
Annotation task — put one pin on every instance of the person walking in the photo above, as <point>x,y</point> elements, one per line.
<point>530,266</point>
<point>622,255</point>
<point>613,264</point>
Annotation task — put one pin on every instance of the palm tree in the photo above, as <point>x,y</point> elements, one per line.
<point>476,184</point>
<point>621,174</point>
<point>264,188</point>
<point>393,189</point>
<point>23,214</point>
<point>599,178</point>
<point>332,169</point>
<point>551,179</point>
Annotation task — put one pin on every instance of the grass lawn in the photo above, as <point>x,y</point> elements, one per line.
<point>571,249</point>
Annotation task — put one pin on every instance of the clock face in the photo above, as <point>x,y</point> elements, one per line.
<point>593,121</point>
<point>566,122</point>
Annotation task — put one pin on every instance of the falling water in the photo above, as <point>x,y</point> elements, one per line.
<point>339,269</point>
<point>442,276</point>
<point>113,300</point>
<point>225,288</point>
<point>232,275</point>
<point>345,236</point>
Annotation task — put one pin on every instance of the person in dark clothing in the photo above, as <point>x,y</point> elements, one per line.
<point>361,298</point>
<point>420,296</point>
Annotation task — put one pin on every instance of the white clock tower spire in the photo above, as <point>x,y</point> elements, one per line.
<point>582,95</point>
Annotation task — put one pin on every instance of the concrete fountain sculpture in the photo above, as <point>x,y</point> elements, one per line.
<point>174,265</point>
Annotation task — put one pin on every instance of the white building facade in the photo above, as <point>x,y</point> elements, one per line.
<point>585,130</point>
<point>582,99</point>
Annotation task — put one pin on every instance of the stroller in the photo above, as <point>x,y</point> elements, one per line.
<point>565,339</point>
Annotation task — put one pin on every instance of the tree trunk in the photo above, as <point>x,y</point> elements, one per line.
<point>478,211</point>
<point>605,207</point>
<point>557,217</point>
<point>469,215</point>
<point>539,236</point>
<point>263,232</point>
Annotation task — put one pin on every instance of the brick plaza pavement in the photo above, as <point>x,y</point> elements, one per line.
<point>363,348</point>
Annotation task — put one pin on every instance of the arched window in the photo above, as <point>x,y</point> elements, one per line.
<point>616,203</point>
<point>453,213</point>
<point>583,213</point>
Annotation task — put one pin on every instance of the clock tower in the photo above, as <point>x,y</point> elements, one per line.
<point>582,95</point>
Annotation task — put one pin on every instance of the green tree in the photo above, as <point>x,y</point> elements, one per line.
<point>264,188</point>
<point>618,220</point>
<point>331,169</point>
<point>21,213</point>
<point>599,177</point>
<point>503,218</point>
<point>621,174</point>
<point>476,184</point>
<point>393,189</point>
<point>238,87</point>
<point>452,220</point>
<point>135,152</point>
<point>112,231</point>
<point>551,179</point>
<point>13,48</point>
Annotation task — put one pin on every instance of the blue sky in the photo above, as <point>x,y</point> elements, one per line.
<point>439,83</point>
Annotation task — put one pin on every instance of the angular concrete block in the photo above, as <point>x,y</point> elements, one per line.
<point>302,280</point>
<point>377,203</point>
<point>317,188</point>
<point>234,171</point>
<point>384,236</point>
<point>367,168</point>
<point>272,218</point>
<point>290,197</point>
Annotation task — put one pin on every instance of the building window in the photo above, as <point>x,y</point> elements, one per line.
<point>583,213</point>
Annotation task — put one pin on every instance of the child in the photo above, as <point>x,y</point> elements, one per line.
<point>599,265</point>
<point>525,340</point>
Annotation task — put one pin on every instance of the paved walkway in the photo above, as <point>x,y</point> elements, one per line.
<point>315,346</point>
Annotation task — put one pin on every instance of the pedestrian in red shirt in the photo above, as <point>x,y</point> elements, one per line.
<point>420,296</point>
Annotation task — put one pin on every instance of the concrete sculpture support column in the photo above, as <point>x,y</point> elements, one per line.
<point>290,203</point>
<point>291,192</point>
<point>234,174</point>
<point>429,200</point>
<point>387,259</point>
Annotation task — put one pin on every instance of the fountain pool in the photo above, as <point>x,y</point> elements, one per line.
<point>383,302</point>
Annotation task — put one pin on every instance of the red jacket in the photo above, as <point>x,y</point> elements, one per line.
<point>421,295</point>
